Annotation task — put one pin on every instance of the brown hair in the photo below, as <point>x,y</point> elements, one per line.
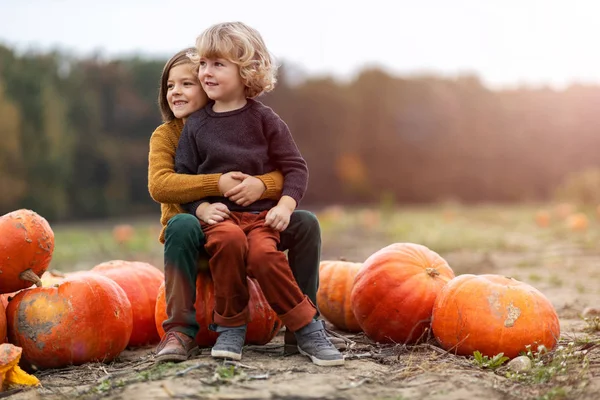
<point>181,57</point>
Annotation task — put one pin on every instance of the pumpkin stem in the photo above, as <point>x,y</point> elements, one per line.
<point>432,272</point>
<point>29,275</point>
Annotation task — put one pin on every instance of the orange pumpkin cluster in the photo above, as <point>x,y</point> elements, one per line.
<point>567,214</point>
<point>87,316</point>
<point>405,290</point>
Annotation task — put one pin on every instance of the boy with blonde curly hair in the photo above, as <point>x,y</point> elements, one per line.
<point>234,132</point>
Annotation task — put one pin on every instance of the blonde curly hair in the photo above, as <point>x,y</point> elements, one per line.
<point>243,46</point>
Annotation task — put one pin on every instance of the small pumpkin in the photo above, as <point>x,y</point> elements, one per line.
<point>123,233</point>
<point>25,249</point>
<point>395,289</point>
<point>263,326</point>
<point>493,314</point>
<point>141,282</point>
<point>336,279</point>
<point>543,218</point>
<point>563,210</point>
<point>578,222</point>
<point>86,318</point>
<point>10,373</point>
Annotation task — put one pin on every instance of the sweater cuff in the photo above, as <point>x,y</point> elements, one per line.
<point>211,185</point>
<point>272,191</point>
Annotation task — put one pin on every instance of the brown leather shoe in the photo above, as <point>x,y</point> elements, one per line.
<point>176,347</point>
<point>291,344</point>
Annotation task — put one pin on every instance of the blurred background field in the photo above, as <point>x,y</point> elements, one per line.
<point>530,231</point>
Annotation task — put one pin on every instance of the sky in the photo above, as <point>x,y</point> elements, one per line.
<point>506,43</point>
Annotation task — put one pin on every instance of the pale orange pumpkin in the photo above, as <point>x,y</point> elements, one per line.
<point>493,314</point>
<point>141,282</point>
<point>336,279</point>
<point>563,210</point>
<point>25,249</point>
<point>86,318</point>
<point>578,222</point>
<point>395,289</point>
<point>123,233</point>
<point>542,218</point>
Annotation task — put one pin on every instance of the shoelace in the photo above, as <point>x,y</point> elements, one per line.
<point>320,340</point>
<point>233,337</point>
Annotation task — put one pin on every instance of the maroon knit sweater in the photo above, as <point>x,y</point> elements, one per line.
<point>252,139</point>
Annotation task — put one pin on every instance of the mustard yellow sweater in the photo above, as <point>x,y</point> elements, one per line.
<point>171,189</point>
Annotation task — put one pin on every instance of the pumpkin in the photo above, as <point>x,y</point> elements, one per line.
<point>123,233</point>
<point>395,289</point>
<point>563,210</point>
<point>493,314</point>
<point>25,249</point>
<point>263,326</point>
<point>335,288</point>
<point>140,281</point>
<point>542,218</point>
<point>86,318</point>
<point>2,322</point>
<point>10,373</point>
<point>578,222</point>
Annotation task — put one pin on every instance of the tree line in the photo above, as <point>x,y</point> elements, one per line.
<point>75,133</point>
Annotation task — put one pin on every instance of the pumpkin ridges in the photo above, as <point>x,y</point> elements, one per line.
<point>141,282</point>
<point>336,279</point>
<point>386,306</point>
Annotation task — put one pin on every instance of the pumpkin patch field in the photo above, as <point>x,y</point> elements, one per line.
<point>440,302</point>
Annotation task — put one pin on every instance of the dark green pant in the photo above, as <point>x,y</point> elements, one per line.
<point>184,245</point>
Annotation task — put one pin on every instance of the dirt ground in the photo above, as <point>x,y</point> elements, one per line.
<point>569,275</point>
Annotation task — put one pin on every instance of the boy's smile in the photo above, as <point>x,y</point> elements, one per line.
<point>184,92</point>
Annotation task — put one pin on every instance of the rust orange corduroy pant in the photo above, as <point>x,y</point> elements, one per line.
<point>241,246</point>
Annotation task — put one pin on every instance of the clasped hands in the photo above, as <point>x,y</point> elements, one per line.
<point>243,189</point>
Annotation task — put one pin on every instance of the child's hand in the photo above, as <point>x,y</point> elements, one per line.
<point>278,218</point>
<point>247,191</point>
<point>212,213</point>
<point>230,180</point>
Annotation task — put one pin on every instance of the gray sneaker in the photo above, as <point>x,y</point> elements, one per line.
<point>229,343</point>
<point>313,342</point>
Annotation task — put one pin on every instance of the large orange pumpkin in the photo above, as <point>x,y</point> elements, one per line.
<point>263,326</point>
<point>493,314</point>
<point>336,279</point>
<point>26,249</point>
<point>86,318</point>
<point>395,289</point>
<point>141,282</point>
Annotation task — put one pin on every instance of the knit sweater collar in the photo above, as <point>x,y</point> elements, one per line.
<point>209,109</point>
